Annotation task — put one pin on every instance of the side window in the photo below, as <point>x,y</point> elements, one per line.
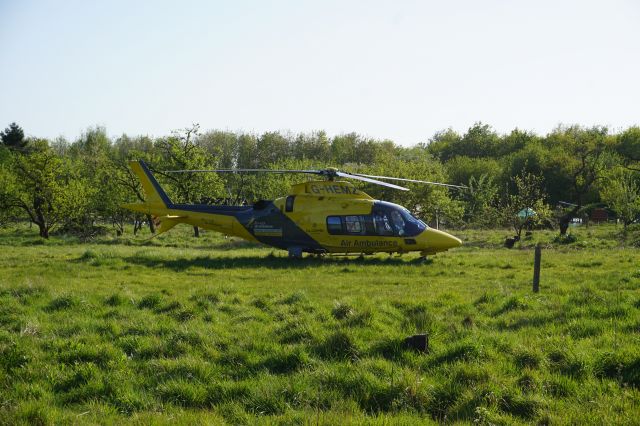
<point>381,224</point>
<point>334,225</point>
<point>398,222</point>
<point>288,205</point>
<point>353,225</point>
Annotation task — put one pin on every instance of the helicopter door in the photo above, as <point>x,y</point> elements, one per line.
<point>293,231</point>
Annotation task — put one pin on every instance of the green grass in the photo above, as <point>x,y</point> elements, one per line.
<point>213,330</point>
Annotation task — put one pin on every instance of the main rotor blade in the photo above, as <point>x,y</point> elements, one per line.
<point>311,172</point>
<point>367,179</point>
<point>413,180</point>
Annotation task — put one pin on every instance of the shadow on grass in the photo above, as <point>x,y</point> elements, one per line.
<point>204,244</point>
<point>251,262</point>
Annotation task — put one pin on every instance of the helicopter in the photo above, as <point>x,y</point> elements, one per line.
<point>319,217</point>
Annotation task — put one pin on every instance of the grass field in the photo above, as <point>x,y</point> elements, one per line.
<point>183,330</point>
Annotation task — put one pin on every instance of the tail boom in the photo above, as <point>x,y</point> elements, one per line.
<point>166,214</point>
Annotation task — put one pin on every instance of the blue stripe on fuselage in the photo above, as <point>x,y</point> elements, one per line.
<point>268,214</point>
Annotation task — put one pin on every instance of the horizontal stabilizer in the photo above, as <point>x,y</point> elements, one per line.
<point>164,223</point>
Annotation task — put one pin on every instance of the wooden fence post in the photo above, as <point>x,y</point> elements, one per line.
<point>536,268</point>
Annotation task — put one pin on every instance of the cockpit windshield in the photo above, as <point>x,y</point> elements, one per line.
<point>392,219</point>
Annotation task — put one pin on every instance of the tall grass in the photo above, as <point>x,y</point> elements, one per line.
<point>192,331</point>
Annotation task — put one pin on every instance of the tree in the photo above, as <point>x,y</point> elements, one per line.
<point>124,150</point>
<point>479,141</point>
<point>462,169</point>
<point>314,146</point>
<point>621,191</point>
<point>220,145</point>
<point>8,211</point>
<point>528,196</point>
<point>515,141</point>
<point>90,156</point>
<point>271,147</point>
<point>44,187</point>
<point>628,146</point>
<point>584,160</point>
<point>343,148</point>
<point>246,156</point>
<point>444,144</point>
<point>480,199</point>
<point>13,137</point>
<point>179,152</point>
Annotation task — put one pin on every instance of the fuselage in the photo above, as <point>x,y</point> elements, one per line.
<point>315,217</point>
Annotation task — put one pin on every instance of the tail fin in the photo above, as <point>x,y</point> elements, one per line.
<point>157,203</point>
<point>155,195</point>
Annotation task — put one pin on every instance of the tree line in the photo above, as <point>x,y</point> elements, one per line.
<point>78,186</point>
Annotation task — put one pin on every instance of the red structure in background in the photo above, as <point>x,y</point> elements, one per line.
<point>599,215</point>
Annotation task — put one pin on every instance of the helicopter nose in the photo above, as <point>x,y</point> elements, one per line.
<point>440,241</point>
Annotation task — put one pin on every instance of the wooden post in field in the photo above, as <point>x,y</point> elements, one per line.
<point>536,268</point>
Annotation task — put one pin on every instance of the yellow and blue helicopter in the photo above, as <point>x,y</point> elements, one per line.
<point>319,217</point>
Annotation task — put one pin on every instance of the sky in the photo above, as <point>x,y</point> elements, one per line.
<point>398,70</point>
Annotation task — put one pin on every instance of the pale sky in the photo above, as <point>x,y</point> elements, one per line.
<point>398,70</point>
